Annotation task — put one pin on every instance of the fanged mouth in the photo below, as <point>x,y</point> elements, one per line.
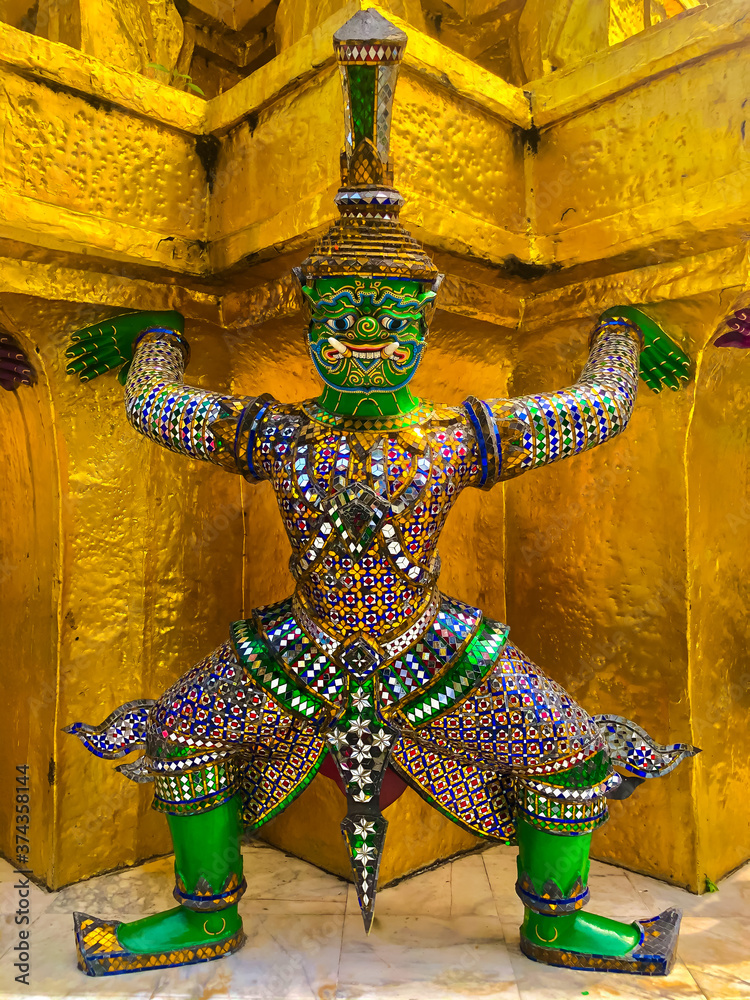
<point>364,350</point>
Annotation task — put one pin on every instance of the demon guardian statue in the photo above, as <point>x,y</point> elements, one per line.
<point>367,660</point>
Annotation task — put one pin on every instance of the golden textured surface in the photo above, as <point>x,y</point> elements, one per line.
<point>289,146</point>
<point>717,457</point>
<point>142,194</point>
<point>661,163</point>
<point>83,176</point>
<point>141,536</point>
<point>622,572</point>
<point>70,70</point>
<point>297,18</point>
<point>30,582</point>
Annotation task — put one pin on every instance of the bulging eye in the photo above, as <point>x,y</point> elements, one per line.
<point>341,323</point>
<point>393,325</point>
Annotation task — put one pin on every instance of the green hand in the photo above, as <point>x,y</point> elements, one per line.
<point>662,361</point>
<point>103,346</point>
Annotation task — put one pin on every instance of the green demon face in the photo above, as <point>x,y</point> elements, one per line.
<point>367,335</point>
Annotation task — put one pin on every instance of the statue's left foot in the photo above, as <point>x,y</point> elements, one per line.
<point>583,941</point>
<point>101,953</point>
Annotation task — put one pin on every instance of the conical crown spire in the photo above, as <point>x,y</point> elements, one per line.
<point>368,238</point>
<point>369,51</point>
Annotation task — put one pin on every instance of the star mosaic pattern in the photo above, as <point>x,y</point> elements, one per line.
<point>360,742</point>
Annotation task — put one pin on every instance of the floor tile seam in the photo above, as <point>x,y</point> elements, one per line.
<point>292,899</point>
<point>492,889</point>
<point>695,965</point>
<point>702,995</point>
<point>504,926</point>
<point>340,905</point>
<point>300,969</point>
<point>723,918</point>
<point>341,942</point>
<point>652,888</point>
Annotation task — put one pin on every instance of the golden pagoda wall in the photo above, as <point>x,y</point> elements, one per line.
<point>622,572</point>
<point>640,156</point>
<point>717,459</point>
<point>597,591</point>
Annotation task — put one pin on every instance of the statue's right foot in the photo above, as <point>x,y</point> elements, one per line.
<point>174,937</point>
<point>583,941</point>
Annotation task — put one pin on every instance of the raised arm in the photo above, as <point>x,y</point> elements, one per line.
<point>178,416</point>
<point>514,435</point>
<point>159,404</point>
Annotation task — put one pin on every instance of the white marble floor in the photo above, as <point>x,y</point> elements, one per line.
<point>447,934</point>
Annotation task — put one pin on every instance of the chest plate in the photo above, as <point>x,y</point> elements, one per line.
<point>363,505</point>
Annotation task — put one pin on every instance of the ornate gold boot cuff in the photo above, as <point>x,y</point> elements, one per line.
<point>204,900</point>
<point>552,901</point>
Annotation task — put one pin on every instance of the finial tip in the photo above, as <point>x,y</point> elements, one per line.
<point>369,26</point>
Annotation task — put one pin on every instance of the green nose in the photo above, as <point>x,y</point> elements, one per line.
<point>367,326</point>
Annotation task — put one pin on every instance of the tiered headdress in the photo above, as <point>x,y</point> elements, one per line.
<point>368,238</point>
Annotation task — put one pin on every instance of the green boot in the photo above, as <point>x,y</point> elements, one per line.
<point>206,924</point>
<point>552,883</point>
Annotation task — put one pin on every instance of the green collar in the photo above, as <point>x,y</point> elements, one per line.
<point>399,402</point>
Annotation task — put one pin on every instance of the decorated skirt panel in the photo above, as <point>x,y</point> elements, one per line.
<point>516,744</point>
<point>465,758</point>
<point>516,719</point>
<point>215,705</point>
<point>214,734</point>
<point>496,738</point>
<point>489,804</point>
<point>453,683</point>
<point>418,674</point>
<point>480,801</point>
<point>269,782</point>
